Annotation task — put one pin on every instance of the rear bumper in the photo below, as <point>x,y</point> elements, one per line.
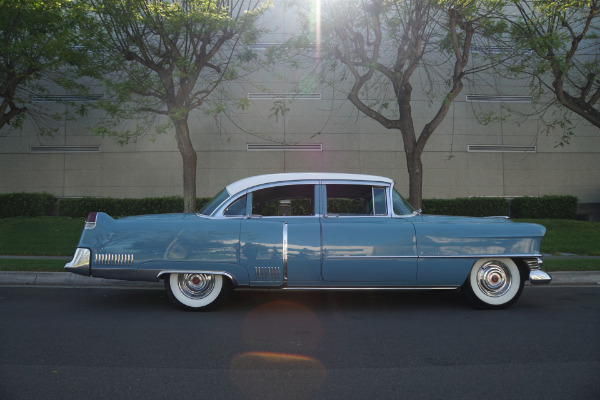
<point>81,262</point>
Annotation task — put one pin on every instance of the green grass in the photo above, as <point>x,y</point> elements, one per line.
<point>33,265</point>
<point>58,236</point>
<point>567,236</point>
<point>41,236</point>
<point>571,265</point>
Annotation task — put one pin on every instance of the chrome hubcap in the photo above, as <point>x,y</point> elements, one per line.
<point>196,286</point>
<point>494,278</point>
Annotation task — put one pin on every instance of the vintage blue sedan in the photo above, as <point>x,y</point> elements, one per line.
<point>313,231</point>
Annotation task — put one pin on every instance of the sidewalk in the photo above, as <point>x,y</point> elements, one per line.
<point>559,278</point>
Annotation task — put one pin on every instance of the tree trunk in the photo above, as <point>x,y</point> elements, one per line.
<point>415,179</point>
<point>189,158</point>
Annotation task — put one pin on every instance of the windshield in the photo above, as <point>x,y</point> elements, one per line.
<point>214,203</point>
<point>401,206</point>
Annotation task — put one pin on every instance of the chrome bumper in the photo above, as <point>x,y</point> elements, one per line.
<point>81,263</point>
<point>536,275</point>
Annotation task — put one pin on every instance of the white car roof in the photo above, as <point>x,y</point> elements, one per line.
<point>253,181</point>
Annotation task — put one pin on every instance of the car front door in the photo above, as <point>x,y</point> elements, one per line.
<point>280,239</point>
<point>362,244</point>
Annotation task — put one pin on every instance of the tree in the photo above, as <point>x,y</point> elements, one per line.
<point>39,45</point>
<point>167,57</point>
<point>560,44</point>
<point>382,44</point>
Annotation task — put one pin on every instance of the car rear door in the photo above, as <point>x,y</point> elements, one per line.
<point>362,244</point>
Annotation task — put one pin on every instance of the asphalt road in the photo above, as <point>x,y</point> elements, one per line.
<point>112,343</point>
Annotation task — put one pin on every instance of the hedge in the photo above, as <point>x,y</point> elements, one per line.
<point>122,207</point>
<point>470,207</point>
<point>556,207</point>
<point>26,204</point>
<point>41,204</point>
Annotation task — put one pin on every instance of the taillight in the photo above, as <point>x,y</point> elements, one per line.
<point>90,222</point>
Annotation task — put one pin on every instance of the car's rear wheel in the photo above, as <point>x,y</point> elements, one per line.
<point>197,291</point>
<point>493,283</point>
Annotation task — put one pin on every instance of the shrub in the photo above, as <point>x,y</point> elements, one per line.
<point>549,206</point>
<point>123,207</point>
<point>26,204</point>
<point>471,207</point>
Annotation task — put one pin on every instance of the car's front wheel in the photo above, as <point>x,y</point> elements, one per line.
<point>197,291</point>
<point>493,283</point>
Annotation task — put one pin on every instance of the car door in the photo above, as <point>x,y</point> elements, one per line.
<point>280,239</point>
<point>362,243</point>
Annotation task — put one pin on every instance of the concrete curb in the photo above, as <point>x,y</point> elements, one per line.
<point>65,279</point>
<point>559,278</point>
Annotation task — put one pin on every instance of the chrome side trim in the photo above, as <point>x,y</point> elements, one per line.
<point>371,288</point>
<point>486,256</point>
<point>81,262</point>
<point>267,273</point>
<point>284,252</point>
<point>448,256</point>
<point>367,257</point>
<point>120,260</point>
<point>227,274</point>
<point>534,263</point>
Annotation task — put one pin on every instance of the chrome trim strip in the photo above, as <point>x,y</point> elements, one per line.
<point>227,274</point>
<point>118,259</point>
<point>371,288</point>
<point>448,256</point>
<point>366,257</point>
<point>486,256</point>
<point>284,252</point>
<point>534,264</point>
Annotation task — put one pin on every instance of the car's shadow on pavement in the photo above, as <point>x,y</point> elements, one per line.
<point>356,300</point>
<point>245,300</point>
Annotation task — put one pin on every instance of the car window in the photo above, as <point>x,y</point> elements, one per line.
<point>214,203</point>
<point>401,206</point>
<point>288,200</point>
<point>236,208</point>
<point>356,200</point>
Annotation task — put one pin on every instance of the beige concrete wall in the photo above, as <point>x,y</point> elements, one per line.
<point>351,142</point>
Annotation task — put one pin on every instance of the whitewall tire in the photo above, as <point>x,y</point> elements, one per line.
<point>493,283</point>
<point>197,291</point>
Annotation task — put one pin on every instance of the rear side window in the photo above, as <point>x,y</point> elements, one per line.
<point>289,200</point>
<point>356,200</point>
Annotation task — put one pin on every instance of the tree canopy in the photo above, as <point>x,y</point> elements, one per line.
<point>40,45</point>
<point>380,46</point>
<point>166,60</point>
<point>560,46</point>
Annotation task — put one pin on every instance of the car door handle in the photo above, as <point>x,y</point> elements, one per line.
<point>253,216</point>
<point>331,215</point>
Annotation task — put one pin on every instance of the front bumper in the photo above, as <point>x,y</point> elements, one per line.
<point>536,275</point>
<point>81,262</point>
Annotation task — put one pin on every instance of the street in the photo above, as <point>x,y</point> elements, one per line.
<point>108,343</point>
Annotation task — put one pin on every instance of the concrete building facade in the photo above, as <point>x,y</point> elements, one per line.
<point>322,131</point>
